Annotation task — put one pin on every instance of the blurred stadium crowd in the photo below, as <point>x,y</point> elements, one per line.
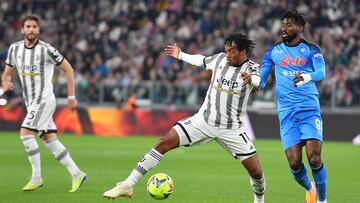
<point>116,46</point>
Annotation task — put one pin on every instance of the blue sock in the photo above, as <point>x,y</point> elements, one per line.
<point>302,177</point>
<point>320,175</point>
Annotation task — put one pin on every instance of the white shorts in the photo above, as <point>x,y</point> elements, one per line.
<point>39,117</point>
<point>194,130</point>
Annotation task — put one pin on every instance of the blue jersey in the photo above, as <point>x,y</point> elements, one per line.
<point>288,60</point>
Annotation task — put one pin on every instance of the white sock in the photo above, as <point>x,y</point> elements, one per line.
<point>150,160</point>
<point>318,201</point>
<point>33,152</point>
<point>259,186</point>
<point>63,156</point>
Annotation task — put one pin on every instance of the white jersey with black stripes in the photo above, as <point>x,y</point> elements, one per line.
<point>35,66</point>
<point>226,98</point>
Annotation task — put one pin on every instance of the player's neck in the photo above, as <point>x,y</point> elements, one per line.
<point>241,63</point>
<point>31,44</point>
<point>294,41</point>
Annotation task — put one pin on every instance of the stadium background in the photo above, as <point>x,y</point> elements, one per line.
<point>127,86</point>
<point>116,48</point>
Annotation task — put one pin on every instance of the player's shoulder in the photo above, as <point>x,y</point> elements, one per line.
<point>220,54</point>
<point>17,43</point>
<point>311,45</point>
<point>215,57</point>
<point>45,44</point>
<point>270,49</point>
<point>252,63</point>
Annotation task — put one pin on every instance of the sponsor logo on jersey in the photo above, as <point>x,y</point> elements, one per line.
<point>291,73</point>
<point>31,70</point>
<point>28,67</point>
<point>226,91</point>
<point>231,83</point>
<point>287,60</point>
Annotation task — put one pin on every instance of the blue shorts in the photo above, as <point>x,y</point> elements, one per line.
<point>296,127</point>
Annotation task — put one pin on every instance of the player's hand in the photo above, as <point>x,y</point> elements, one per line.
<point>7,85</point>
<point>172,50</point>
<point>246,78</point>
<point>72,104</point>
<point>298,79</point>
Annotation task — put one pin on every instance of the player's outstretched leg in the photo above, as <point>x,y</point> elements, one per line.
<point>32,150</point>
<point>149,161</point>
<point>63,156</point>
<point>257,178</point>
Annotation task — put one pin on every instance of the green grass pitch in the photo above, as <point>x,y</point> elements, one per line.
<point>201,174</point>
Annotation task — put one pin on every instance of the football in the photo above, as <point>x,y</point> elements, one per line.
<point>160,186</point>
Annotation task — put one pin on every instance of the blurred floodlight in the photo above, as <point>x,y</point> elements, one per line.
<point>3,102</point>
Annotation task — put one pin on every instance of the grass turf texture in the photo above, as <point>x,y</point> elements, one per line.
<point>201,174</point>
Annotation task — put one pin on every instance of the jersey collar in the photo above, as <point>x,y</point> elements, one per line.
<point>239,65</point>
<point>32,46</point>
<point>299,42</point>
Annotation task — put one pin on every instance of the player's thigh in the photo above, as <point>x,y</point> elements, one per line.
<point>39,116</point>
<point>237,143</point>
<point>289,130</point>
<point>311,126</point>
<point>190,134</point>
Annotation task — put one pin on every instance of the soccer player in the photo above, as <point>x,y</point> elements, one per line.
<point>298,65</point>
<point>220,118</point>
<point>34,61</point>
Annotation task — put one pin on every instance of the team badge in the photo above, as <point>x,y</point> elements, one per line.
<point>302,50</point>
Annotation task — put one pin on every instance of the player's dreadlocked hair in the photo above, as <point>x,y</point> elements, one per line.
<point>241,41</point>
<point>296,16</point>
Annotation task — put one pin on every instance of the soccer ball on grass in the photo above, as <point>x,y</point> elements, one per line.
<point>160,186</point>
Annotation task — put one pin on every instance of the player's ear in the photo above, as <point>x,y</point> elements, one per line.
<point>243,52</point>
<point>300,28</point>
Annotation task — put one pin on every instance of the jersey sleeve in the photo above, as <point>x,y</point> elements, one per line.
<point>10,58</point>
<point>266,67</point>
<point>255,69</point>
<point>318,63</point>
<point>255,74</point>
<point>210,62</point>
<point>194,59</point>
<point>55,55</point>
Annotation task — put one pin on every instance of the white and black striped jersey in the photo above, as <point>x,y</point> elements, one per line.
<point>35,67</point>
<point>226,99</point>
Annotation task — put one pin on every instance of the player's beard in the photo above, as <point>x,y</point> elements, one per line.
<point>290,37</point>
<point>32,37</point>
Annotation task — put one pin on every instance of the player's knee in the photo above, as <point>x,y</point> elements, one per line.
<point>25,131</point>
<point>48,136</point>
<point>295,164</point>
<point>256,173</point>
<point>167,143</point>
<point>314,160</point>
<point>163,146</point>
